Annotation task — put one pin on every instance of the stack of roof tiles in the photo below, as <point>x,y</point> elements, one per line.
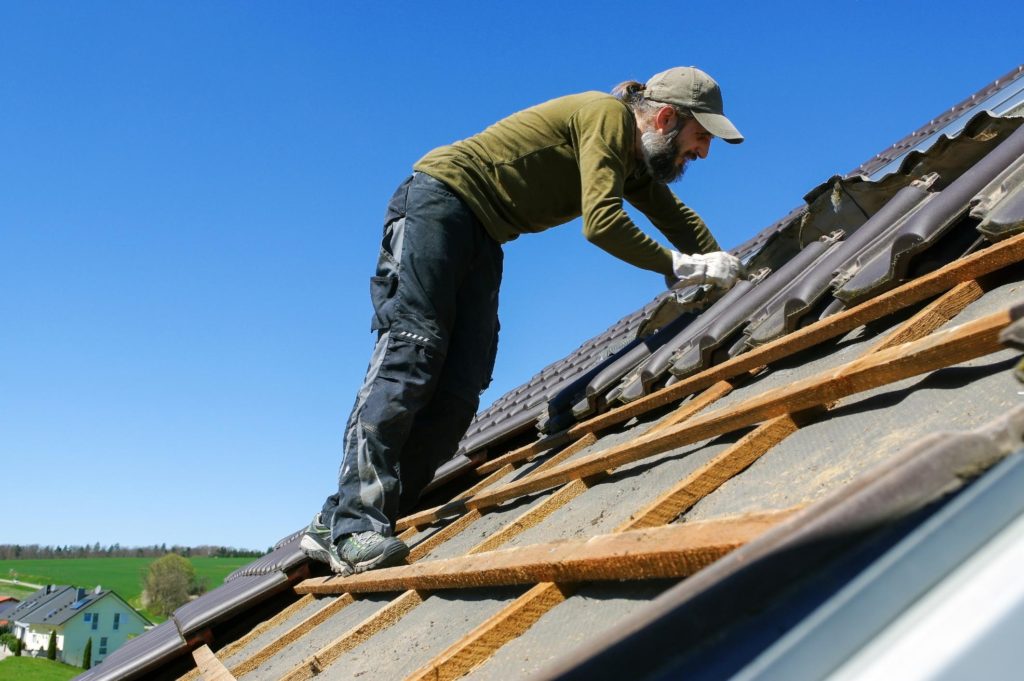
<point>722,463</point>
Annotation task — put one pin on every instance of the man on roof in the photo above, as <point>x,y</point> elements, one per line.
<point>435,292</point>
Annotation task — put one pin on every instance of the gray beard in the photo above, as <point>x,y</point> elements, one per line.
<point>660,156</point>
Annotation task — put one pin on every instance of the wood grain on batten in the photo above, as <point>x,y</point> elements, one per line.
<point>653,553</point>
<point>934,315</point>
<point>209,666</point>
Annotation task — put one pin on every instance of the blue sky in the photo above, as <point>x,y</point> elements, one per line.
<point>192,195</point>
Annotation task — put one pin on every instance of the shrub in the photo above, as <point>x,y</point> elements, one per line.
<point>11,641</point>
<point>87,655</point>
<point>51,646</point>
<point>170,582</point>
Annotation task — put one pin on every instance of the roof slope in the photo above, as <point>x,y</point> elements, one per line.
<point>55,605</point>
<point>42,601</point>
<point>706,481</point>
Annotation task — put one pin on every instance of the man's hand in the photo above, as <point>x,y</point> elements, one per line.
<point>720,269</point>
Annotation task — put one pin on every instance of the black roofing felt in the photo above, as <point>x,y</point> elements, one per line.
<point>856,237</point>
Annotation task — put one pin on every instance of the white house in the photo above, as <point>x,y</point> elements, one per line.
<point>76,615</point>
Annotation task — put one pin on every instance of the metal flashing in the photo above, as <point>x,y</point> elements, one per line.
<point>855,615</point>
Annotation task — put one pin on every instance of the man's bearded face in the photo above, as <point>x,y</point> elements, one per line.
<point>661,155</point>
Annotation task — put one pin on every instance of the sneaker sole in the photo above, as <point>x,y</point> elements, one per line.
<point>391,556</point>
<point>312,548</point>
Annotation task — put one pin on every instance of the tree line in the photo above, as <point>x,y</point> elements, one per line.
<point>26,551</point>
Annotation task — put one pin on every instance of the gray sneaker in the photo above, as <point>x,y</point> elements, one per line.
<point>368,550</point>
<point>316,543</point>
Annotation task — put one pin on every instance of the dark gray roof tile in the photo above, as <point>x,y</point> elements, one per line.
<point>227,600</point>
<point>42,600</point>
<point>1000,205</point>
<point>140,655</point>
<point>891,263</point>
<point>282,559</point>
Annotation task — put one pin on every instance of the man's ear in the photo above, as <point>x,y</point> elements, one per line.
<point>665,119</point>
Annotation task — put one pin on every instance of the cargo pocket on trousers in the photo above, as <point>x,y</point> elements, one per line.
<point>382,296</point>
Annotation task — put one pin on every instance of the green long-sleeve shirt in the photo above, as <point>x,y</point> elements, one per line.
<point>561,159</point>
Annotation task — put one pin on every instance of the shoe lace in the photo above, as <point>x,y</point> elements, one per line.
<point>367,539</point>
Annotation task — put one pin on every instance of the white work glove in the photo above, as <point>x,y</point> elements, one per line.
<point>720,269</point>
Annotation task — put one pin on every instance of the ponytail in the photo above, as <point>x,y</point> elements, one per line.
<point>630,92</point>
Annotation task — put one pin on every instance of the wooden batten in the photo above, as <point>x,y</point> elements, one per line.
<point>209,666</point>
<point>657,553</point>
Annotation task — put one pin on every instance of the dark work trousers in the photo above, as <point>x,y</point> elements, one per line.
<point>435,302</point>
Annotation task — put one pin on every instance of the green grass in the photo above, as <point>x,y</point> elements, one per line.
<point>123,575</point>
<point>35,669</point>
<point>15,590</point>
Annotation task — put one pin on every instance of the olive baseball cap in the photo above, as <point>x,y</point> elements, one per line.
<point>690,88</point>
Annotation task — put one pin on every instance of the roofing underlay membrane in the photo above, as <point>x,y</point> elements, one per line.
<point>775,440</point>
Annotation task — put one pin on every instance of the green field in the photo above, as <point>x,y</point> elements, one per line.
<point>123,575</point>
<point>32,669</point>
<point>15,590</point>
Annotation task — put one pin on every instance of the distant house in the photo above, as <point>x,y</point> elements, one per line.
<point>7,604</point>
<point>76,615</point>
